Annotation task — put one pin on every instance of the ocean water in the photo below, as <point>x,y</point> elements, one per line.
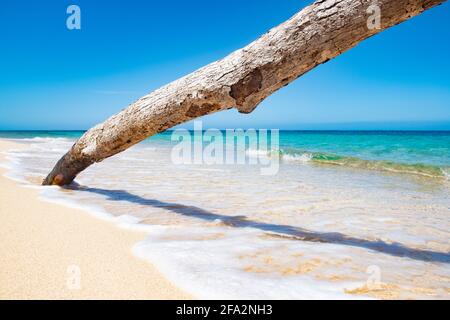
<point>348,215</point>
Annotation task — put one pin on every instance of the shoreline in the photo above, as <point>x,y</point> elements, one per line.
<point>50,251</point>
<point>189,242</point>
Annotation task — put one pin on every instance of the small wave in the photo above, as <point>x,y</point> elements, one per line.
<point>45,139</point>
<point>426,170</point>
<point>296,157</point>
<point>257,152</point>
<point>446,173</point>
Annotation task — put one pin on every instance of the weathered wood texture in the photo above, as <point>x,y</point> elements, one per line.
<point>316,34</point>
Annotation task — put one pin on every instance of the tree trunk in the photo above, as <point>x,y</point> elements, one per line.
<point>316,34</point>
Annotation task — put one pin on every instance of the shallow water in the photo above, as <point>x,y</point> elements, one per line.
<point>314,230</point>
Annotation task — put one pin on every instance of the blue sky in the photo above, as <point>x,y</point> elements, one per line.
<point>55,78</point>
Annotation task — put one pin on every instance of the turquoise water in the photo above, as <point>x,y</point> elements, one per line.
<point>317,228</point>
<point>425,153</point>
<point>30,134</point>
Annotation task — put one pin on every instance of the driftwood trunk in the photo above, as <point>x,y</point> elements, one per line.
<point>316,34</point>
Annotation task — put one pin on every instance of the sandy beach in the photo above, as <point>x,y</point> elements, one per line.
<point>49,251</point>
<point>310,232</point>
<point>300,152</point>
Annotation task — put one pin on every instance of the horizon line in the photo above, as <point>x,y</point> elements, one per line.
<point>304,130</point>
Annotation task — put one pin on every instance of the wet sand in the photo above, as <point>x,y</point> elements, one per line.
<point>48,251</point>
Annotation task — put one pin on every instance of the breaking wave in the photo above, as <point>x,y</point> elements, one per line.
<point>419,169</point>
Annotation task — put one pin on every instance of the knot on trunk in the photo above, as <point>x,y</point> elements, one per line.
<point>243,91</point>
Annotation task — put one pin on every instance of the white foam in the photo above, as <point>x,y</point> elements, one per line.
<point>446,173</point>
<point>235,234</point>
<point>44,139</point>
<point>206,276</point>
<point>304,157</point>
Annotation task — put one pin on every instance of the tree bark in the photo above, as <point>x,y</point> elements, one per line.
<point>316,34</point>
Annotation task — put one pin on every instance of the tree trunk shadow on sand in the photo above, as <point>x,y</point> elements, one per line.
<point>286,231</point>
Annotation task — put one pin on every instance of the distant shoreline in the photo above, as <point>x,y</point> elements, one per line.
<point>281,130</point>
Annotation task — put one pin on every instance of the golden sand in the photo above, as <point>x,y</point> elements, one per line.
<point>48,251</point>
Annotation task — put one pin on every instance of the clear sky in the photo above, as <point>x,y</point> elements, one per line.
<point>55,78</point>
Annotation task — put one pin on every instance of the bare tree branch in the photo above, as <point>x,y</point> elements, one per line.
<point>316,34</point>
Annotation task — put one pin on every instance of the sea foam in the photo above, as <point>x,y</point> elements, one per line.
<point>228,232</point>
